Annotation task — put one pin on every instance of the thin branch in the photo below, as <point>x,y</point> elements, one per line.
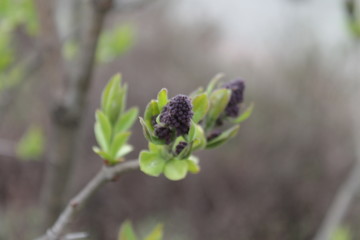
<point>104,175</point>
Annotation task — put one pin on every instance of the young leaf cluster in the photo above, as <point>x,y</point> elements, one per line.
<point>113,122</point>
<point>172,156</point>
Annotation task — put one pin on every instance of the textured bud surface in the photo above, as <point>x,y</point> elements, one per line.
<point>163,133</point>
<point>177,114</point>
<point>237,88</point>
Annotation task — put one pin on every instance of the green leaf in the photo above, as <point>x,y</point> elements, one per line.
<point>123,97</point>
<point>245,115</point>
<point>224,137</point>
<point>31,144</point>
<point>162,98</point>
<point>126,232</point>
<point>211,86</point>
<point>126,120</point>
<point>124,150</point>
<point>113,100</point>
<point>156,233</point>
<point>102,154</point>
<point>109,92</point>
<point>155,148</point>
<point>200,139</point>
<point>119,140</point>
<point>191,135</point>
<point>146,130</point>
<point>102,130</point>
<point>151,110</point>
<point>193,164</point>
<point>151,163</point>
<point>176,169</point>
<point>218,102</point>
<point>200,107</point>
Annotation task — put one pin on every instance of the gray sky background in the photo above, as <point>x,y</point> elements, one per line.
<point>258,24</point>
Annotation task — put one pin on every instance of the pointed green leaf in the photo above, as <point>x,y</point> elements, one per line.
<point>151,163</point>
<point>124,90</point>
<point>126,120</point>
<point>191,135</point>
<point>176,169</point>
<point>119,140</point>
<point>156,233</point>
<point>193,164</point>
<point>126,232</point>
<point>200,139</point>
<point>146,130</point>
<point>218,102</point>
<point>245,115</point>
<point>162,98</point>
<point>109,92</point>
<point>224,137</point>
<point>102,130</point>
<point>151,110</point>
<point>102,154</point>
<point>211,86</point>
<point>200,107</point>
<point>127,148</point>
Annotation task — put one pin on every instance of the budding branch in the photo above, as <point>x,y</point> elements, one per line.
<point>104,175</point>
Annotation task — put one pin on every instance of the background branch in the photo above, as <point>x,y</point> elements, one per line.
<point>68,214</point>
<point>66,116</point>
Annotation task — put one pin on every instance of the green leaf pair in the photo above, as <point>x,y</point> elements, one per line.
<point>113,122</point>
<point>156,162</point>
<point>127,232</point>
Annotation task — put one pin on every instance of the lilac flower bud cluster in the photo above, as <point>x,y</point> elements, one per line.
<point>237,88</point>
<point>180,147</point>
<point>176,116</point>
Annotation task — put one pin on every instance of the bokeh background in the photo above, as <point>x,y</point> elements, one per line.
<point>275,180</point>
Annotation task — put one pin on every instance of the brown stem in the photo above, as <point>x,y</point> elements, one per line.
<point>68,214</point>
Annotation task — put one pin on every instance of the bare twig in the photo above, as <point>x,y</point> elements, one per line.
<point>104,175</point>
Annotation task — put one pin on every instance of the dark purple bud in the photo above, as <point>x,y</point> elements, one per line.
<point>163,133</point>
<point>177,114</point>
<point>237,88</point>
<point>213,135</point>
<point>180,147</point>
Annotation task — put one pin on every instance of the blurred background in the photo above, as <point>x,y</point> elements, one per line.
<point>275,180</point>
